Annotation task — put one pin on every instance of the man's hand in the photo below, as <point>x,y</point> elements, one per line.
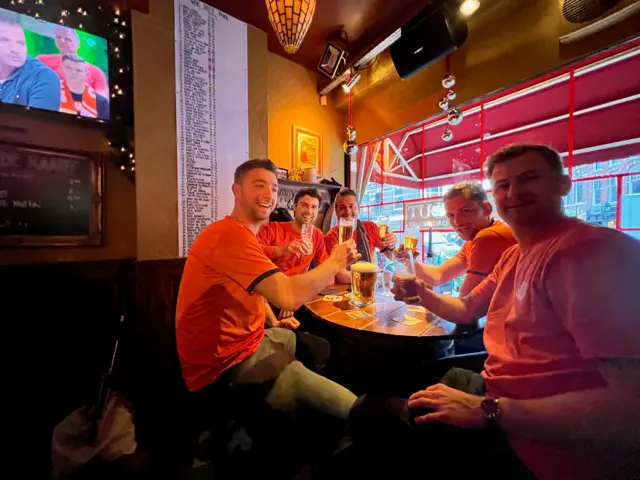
<point>412,289</point>
<point>285,314</point>
<point>344,254</point>
<point>289,323</point>
<point>389,240</point>
<point>297,247</point>
<point>450,406</point>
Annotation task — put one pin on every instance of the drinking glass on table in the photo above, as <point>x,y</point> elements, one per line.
<point>345,229</point>
<point>383,230</point>
<point>405,276</point>
<point>363,283</point>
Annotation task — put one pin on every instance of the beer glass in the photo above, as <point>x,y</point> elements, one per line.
<point>405,276</point>
<point>307,237</point>
<point>383,227</point>
<point>345,229</point>
<point>363,283</point>
<point>411,239</point>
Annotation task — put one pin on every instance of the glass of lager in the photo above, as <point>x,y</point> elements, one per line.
<point>345,229</point>
<point>363,283</point>
<point>405,275</point>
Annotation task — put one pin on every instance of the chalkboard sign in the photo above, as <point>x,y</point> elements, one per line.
<point>49,197</point>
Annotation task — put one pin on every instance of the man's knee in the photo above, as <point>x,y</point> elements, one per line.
<point>284,337</point>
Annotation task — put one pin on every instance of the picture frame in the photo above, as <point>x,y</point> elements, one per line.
<point>306,149</point>
<point>282,174</point>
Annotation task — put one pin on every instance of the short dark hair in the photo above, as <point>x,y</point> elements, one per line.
<point>552,157</point>
<point>72,57</point>
<point>345,192</point>
<point>9,17</point>
<point>307,192</point>
<point>249,165</point>
<point>469,190</point>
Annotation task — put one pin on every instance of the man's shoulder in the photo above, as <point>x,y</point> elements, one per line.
<point>36,67</point>
<point>497,229</point>
<point>49,58</point>
<point>581,235</point>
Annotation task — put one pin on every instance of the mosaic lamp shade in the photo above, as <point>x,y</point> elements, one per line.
<point>290,20</point>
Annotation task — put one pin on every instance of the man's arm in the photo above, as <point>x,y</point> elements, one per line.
<point>44,92</point>
<point>99,81</point>
<point>459,310</point>
<point>435,276</point>
<point>290,293</point>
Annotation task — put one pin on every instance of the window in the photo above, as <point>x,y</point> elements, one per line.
<point>597,166</point>
<point>576,195</point>
<point>614,163</point>
<point>634,184</point>
<point>612,194</point>
<point>433,192</point>
<point>596,192</point>
<point>580,193</point>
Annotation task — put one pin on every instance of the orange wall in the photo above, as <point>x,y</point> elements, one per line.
<point>119,203</point>
<point>293,100</point>
<point>508,43</point>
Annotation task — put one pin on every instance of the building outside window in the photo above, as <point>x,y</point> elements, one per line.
<point>596,192</point>
<point>597,166</point>
<point>612,194</point>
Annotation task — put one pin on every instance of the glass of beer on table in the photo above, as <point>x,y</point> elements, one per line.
<point>345,229</point>
<point>405,276</point>
<point>363,283</point>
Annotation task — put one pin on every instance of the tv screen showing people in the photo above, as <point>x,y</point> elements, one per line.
<point>52,67</point>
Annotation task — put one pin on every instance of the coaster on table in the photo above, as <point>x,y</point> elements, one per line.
<point>410,321</point>
<point>359,314</point>
<point>417,309</point>
<point>332,298</point>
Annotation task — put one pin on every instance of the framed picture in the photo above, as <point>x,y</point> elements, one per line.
<point>283,173</point>
<point>307,149</point>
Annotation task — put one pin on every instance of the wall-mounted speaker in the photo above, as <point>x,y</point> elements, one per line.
<point>579,11</point>
<point>431,35</point>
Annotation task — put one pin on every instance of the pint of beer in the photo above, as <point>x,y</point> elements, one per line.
<point>407,281</point>
<point>383,230</point>
<point>410,242</point>
<point>363,283</point>
<point>345,230</point>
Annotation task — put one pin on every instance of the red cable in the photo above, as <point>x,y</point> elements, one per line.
<point>349,119</point>
<point>481,142</point>
<point>572,126</point>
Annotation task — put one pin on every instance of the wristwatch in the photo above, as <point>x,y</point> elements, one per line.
<point>492,412</point>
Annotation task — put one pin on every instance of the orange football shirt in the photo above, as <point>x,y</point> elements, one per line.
<point>219,316</point>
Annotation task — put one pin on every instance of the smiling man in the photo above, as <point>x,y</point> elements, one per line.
<point>24,80</point>
<point>220,316</point>
<point>560,391</point>
<point>366,234</point>
<point>469,213</point>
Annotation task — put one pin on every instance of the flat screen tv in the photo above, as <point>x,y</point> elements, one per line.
<point>52,67</point>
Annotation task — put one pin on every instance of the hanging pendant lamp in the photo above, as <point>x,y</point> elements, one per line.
<point>290,20</point>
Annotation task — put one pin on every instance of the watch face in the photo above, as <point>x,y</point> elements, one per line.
<point>490,406</point>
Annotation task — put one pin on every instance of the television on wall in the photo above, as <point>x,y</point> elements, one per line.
<point>52,67</point>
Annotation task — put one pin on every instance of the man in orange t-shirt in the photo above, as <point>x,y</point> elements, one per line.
<point>220,315</point>
<point>282,241</point>
<point>469,213</point>
<point>558,397</point>
<point>366,234</point>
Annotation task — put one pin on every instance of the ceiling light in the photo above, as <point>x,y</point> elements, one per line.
<point>331,60</point>
<point>469,7</point>
<point>290,20</point>
<point>350,83</point>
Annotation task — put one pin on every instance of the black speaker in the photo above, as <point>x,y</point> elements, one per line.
<point>429,36</point>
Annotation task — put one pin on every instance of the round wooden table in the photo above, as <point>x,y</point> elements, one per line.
<point>388,317</point>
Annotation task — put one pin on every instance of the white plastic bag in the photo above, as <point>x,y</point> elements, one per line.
<point>78,440</point>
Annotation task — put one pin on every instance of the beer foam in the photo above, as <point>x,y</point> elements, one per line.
<point>364,267</point>
<point>403,275</point>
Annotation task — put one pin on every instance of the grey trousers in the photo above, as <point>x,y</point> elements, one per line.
<point>272,375</point>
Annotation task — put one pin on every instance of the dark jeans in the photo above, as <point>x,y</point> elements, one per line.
<point>382,428</point>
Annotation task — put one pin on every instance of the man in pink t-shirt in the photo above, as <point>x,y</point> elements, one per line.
<point>560,392</point>
<point>68,43</point>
